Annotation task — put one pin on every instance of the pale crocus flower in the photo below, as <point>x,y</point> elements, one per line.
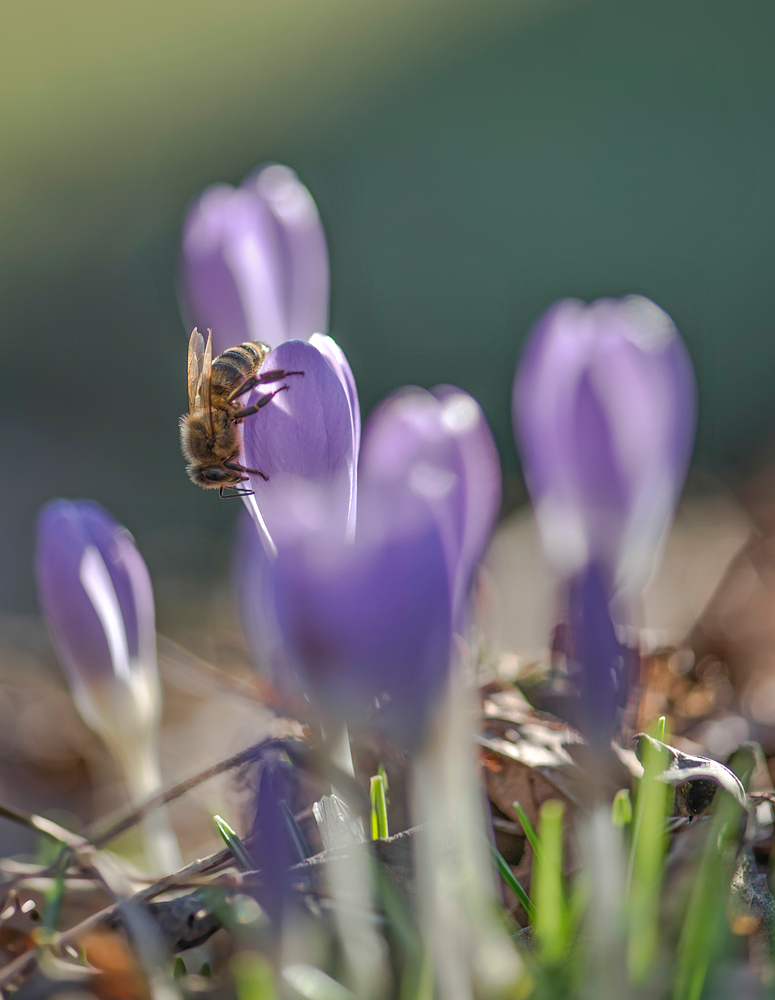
<point>604,409</point>
<point>96,595</point>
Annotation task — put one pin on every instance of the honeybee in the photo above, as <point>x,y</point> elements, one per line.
<point>208,432</point>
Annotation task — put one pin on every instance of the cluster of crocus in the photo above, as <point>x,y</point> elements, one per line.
<point>604,409</point>
<point>359,599</point>
<point>354,571</point>
<point>96,595</point>
<point>367,555</point>
<point>368,620</point>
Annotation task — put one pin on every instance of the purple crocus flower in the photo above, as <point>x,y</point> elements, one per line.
<point>96,595</point>
<point>367,621</point>
<point>306,440</point>
<point>604,408</point>
<point>254,263</point>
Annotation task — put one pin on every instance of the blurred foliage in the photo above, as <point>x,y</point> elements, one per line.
<point>472,162</point>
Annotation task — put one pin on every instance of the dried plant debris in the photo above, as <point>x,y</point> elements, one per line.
<point>527,757</point>
<point>683,767</point>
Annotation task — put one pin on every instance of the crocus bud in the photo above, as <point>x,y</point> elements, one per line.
<point>441,440</point>
<point>604,411</point>
<point>367,624</point>
<point>96,595</point>
<point>254,263</point>
<point>306,440</point>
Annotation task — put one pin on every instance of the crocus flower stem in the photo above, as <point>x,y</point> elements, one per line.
<point>471,951</point>
<point>142,776</point>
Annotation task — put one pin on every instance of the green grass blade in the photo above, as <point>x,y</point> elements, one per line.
<point>551,919</point>
<point>621,811</point>
<point>508,877</point>
<point>647,852</point>
<point>253,976</point>
<point>55,894</point>
<point>535,842</point>
<point>527,826</point>
<point>379,816</point>
<point>235,845</point>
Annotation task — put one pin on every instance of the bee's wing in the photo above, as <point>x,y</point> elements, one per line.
<point>196,350</point>
<point>204,382</point>
<point>200,370</point>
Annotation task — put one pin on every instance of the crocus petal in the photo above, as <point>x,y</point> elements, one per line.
<point>440,445</point>
<point>96,595</point>
<point>407,442</point>
<point>302,438</point>
<point>254,264</point>
<point>303,249</point>
<point>335,356</point>
<point>464,418</point>
<point>369,624</point>
<point>231,278</point>
<point>604,410</point>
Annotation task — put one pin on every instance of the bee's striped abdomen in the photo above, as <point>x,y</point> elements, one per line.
<point>231,368</point>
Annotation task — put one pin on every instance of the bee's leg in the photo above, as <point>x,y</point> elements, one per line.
<point>236,493</point>
<point>236,467</point>
<point>241,414</point>
<point>264,379</point>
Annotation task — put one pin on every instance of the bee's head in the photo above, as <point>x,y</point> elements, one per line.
<point>213,477</point>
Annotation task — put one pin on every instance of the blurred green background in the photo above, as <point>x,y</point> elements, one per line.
<point>472,160</point>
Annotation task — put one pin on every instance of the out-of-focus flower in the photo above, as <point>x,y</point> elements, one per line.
<point>365,618</point>
<point>307,440</point>
<point>254,264</point>
<point>269,841</point>
<point>440,444</point>
<point>368,624</point>
<point>96,595</point>
<point>604,408</point>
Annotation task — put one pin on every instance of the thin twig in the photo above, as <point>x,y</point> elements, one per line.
<point>126,819</point>
<point>45,826</point>
<point>310,757</point>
